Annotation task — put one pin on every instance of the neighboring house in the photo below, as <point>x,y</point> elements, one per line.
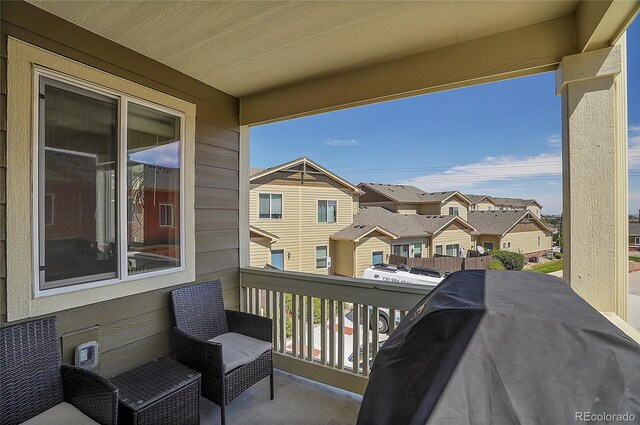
<point>411,200</point>
<point>511,230</point>
<point>481,203</point>
<point>506,204</point>
<point>377,232</point>
<point>303,204</point>
<point>634,235</point>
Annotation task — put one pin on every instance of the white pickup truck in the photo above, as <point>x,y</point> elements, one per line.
<point>401,274</point>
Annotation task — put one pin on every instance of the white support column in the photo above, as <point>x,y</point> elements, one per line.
<point>594,165</point>
<point>243,205</point>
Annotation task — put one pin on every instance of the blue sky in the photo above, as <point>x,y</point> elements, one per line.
<point>501,139</point>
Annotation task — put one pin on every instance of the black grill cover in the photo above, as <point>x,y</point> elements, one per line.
<point>502,347</point>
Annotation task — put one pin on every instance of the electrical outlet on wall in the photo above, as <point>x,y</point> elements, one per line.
<point>86,355</point>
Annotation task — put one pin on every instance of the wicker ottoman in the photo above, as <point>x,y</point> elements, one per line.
<point>157,393</point>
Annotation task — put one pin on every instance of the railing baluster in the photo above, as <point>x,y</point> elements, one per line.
<point>283,323</point>
<point>310,329</point>
<point>392,320</point>
<point>356,337</point>
<point>303,328</point>
<point>250,305</point>
<point>375,336</point>
<point>294,325</point>
<point>332,333</point>
<point>323,331</point>
<point>367,319</point>
<point>258,301</point>
<point>340,353</point>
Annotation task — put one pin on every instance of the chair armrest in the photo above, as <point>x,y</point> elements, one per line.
<point>91,394</point>
<point>248,324</point>
<point>202,356</point>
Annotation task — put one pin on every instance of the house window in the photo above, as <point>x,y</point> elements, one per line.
<point>402,250</point>
<point>321,257</point>
<point>453,250</point>
<point>327,211</point>
<point>538,240</point>
<point>453,211</point>
<point>49,209</point>
<point>81,140</point>
<point>376,257</point>
<point>417,250</point>
<point>166,215</point>
<point>270,205</point>
<point>488,246</point>
<point>637,241</point>
<point>439,249</point>
<point>506,245</point>
<point>277,259</point>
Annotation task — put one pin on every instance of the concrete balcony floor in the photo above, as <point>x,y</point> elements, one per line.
<point>297,401</point>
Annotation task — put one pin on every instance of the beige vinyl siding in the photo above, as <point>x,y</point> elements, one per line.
<point>524,239</point>
<point>391,206</point>
<point>485,206</point>
<point>365,249</point>
<point>407,209</point>
<point>342,258</point>
<point>430,209</point>
<point>453,234</point>
<point>463,207</point>
<point>411,241</point>
<point>298,231</point>
<point>495,240</point>
<point>536,210</point>
<point>134,329</point>
<point>260,253</point>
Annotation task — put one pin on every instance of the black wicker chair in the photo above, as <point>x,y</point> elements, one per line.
<point>201,317</point>
<point>33,381</point>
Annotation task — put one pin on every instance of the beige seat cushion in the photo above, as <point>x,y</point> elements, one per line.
<point>61,414</point>
<point>238,349</point>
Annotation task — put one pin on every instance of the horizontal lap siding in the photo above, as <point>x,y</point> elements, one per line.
<point>453,234</point>
<point>137,328</point>
<point>524,239</point>
<point>365,249</point>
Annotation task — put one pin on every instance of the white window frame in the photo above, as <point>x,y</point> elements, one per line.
<point>414,249</point>
<point>457,250</point>
<point>456,211</point>
<point>173,214</point>
<point>327,210</point>
<point>22,128</point>
<point>436,250</point>
<point>393,247</point>
<point>373,254</point>
<point>637,240</point>
<point>325,258</point>
<point>270,202</point>
<point>539,240</point>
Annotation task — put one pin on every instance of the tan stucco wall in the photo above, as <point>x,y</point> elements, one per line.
<point>453,234</point>
<point>298,231</point>
<point>342,258</point>
<point>260,253</point>
<point>365,249</point>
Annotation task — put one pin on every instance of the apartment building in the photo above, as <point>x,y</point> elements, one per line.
<point>377,232</point>
<point>511,230</point>
<point>495,203</point>
<point>294,209</point>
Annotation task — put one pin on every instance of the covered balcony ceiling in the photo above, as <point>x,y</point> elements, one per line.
<point>244,48</point>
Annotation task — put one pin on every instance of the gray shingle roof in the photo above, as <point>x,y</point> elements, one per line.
<point>475,198</point>
<point>634,228</point>
<point>405,193</point>
<point>401,225</point>
<point>494,222</point>
<point>254,171</point>
<point>516,202</point>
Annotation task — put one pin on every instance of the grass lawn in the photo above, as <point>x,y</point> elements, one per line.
<point>636,259</point>
<point>548,267</point>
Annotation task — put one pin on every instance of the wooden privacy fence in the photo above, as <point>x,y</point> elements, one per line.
<point>444,263</point>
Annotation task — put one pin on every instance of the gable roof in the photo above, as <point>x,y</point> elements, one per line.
<point>263,233</point>
<point>516,202</point>
<point>475,199</point>
<point>355,232</point>
<point>256,173</point>
<point>400,225</point>
<point>410,194</point>
<point>501,222</point>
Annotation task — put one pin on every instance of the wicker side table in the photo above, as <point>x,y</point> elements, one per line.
<point>159,392</point>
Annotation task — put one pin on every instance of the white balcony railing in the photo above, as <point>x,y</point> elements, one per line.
<point>323,325</point>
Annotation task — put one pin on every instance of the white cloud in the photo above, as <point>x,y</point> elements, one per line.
<point>342,142</point>
<point>634,147</point>
<point>491,169</point>
<point>554,140</point>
